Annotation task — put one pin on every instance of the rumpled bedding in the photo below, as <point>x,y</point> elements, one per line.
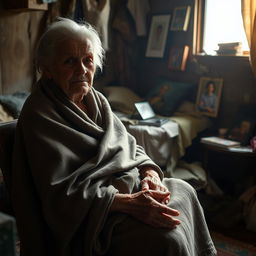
<point>4,115</point>
<point>13,102</point>
<point>189,127</point>
<point>67,168</point>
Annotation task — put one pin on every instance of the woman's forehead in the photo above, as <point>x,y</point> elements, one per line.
<point>74,47</point>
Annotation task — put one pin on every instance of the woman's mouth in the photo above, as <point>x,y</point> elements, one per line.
<point>80,79</point>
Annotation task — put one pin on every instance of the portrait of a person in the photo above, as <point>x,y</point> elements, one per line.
<point>157,39</point>
<point>241,132</point>
<point>81,185</point>
<point>208,100</point>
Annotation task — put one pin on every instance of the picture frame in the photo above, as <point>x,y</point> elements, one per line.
<point>209,95</point>
<point>158,35</point>
<point>243,127</point>
<point>242,131</point>
<point>178,58</point>
<point>180,20</point>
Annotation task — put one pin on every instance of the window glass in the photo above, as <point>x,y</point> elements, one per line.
<point>223,24</point>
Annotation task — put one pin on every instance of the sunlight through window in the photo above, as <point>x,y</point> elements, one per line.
<point>223,24</point>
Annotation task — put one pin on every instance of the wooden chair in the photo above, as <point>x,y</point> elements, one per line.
<point>7,132</point>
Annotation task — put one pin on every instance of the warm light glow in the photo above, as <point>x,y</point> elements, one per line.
<point>223,24</point>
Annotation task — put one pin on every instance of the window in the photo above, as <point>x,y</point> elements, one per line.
<point>218,21</point>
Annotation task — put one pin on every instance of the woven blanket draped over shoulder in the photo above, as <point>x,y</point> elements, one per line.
<point>71,166</point>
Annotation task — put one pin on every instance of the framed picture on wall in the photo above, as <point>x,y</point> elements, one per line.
<point>208,96</point>
<point>158,35</point>
<point>180,18</point>
<point>178,57</point>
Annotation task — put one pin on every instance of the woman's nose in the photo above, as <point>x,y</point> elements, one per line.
<point>81,68</point>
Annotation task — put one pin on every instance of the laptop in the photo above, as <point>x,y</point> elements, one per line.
<point>147,114</point>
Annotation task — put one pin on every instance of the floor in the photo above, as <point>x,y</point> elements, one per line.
<point>225,215</point>
<point>239,233</point>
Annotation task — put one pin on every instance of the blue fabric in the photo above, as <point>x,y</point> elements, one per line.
<point>166,96</point>
<point>14,102</point>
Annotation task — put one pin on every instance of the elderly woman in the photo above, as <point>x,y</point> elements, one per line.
<point>81,184</point>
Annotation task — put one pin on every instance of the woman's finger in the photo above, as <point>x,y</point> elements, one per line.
<point>144,185</point>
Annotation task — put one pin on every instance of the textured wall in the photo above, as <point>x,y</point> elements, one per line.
<point>239,83</point>
<point>18,34</point>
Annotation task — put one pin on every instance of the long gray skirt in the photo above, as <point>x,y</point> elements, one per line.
<point>190,238</point>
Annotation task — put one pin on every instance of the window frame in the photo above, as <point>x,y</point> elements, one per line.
<point>198,27</point>
<point>198,31</point>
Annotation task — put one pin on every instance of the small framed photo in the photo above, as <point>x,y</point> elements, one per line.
<point>208,96</point>
<point>180,18</point>
<point>158,36</point>
<point>178,57</point>
<point>242,131</point>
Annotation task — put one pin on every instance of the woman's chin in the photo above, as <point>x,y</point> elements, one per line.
<point>80,93</point>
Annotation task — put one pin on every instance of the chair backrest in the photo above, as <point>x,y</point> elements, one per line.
<point>7,133</point>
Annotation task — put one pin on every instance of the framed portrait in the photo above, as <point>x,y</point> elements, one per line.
<point>243,127</point>
<point>180,18</point>
<point>178,57</point>
<point>158,35</point>
<point>208,96</point>
<point>242,131</point>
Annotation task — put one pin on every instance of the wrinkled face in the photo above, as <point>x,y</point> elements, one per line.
<point>73,68</point>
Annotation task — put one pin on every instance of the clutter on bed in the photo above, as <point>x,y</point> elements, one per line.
<point>167,144</point>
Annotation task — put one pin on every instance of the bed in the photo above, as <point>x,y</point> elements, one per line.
<point>167,144</point>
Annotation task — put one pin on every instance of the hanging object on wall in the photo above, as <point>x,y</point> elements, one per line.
<point>48,1</point>
<point>180,18</point>
<point>26,5</point>
<point>158,36</point>
<point>178,57</point>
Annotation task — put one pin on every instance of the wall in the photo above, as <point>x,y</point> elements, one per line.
<point>18,33</point>
<point>239,84</point>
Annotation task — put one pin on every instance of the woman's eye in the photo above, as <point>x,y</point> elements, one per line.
<point>89,60</point>
<point>70,61</point>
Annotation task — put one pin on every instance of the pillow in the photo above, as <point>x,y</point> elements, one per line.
<point>166,96</point>
<point>188,108</point>
<point>14,102</point>
<point>121,98</point>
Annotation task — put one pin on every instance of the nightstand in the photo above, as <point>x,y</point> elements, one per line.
<point>233,169</point>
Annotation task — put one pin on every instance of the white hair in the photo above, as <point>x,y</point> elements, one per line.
<point>61,30</point>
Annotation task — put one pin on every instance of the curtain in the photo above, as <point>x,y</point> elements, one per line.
<point>249,19</point>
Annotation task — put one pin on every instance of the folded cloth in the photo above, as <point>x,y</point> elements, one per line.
<point>193,173</point>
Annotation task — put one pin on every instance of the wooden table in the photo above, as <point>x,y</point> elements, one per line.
<point>233,169</point>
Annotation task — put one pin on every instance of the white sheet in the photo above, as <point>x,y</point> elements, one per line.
<point>166,145</point>
<point>157,141</point>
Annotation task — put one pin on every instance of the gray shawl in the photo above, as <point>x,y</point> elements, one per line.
<point>67,168</point>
